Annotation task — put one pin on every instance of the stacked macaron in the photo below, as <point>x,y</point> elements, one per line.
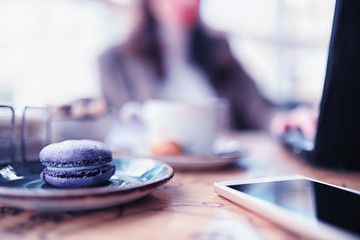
<point>76,163</point>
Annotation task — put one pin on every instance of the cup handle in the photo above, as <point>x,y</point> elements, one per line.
<point>131,114</point>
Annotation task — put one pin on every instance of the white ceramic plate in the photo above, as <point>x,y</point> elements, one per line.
<point>201,162</point>
<point>21,186</point>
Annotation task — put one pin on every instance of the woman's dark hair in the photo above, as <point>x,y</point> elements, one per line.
<point>204,50</point>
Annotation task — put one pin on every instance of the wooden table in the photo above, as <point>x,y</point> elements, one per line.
<point>184,208</point>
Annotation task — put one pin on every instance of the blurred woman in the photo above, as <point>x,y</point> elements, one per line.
<point>173,55</point>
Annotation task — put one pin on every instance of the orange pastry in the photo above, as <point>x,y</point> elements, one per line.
<point>165,147</point>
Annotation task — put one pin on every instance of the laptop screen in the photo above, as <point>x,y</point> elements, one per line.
<point>337,143</point>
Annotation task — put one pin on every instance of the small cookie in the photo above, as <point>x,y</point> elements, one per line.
<point>76,163</point>
<point>165,147</point>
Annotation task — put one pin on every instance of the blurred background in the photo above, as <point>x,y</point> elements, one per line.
<point>49,48</point>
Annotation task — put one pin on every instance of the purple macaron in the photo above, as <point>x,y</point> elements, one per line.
<point>76,163</point>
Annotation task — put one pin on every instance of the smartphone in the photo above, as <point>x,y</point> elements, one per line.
<point>311,208</point>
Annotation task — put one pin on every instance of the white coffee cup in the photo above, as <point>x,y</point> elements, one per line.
<point>194,126</point>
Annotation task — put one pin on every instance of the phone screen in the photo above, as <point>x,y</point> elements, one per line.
<point>312,200</point>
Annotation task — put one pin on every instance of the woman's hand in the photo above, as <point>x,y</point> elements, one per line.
<point>302,118</point>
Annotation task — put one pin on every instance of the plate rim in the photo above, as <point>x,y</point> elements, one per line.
<point>201,161</point>
<point>212,157</point>
<point>12,192</point>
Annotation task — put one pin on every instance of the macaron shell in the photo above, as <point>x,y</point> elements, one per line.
<point>75,153</point>
<point>78,179</point>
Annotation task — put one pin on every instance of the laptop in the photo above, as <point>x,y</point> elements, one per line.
<point>337,141</point>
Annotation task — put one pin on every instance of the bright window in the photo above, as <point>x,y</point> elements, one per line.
<point>49,47</point>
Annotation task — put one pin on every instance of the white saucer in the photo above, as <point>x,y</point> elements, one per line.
<point>193,161</point>
<point>201,162</point>
<point>223,153</point>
